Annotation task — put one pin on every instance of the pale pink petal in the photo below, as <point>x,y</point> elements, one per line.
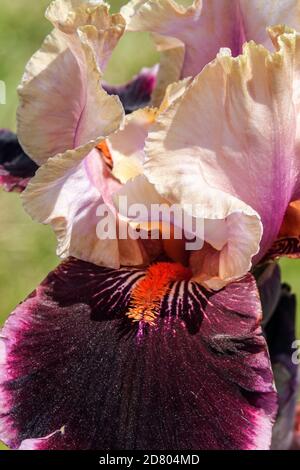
<point>228,147</point>
<point>66,193</point>
<point>209,25</point>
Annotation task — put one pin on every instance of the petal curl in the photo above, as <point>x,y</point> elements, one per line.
<point>53,116</point>
<point>73,362</point>
<point>16,168</point>
<point>66,193</point>
<point>232,138</point>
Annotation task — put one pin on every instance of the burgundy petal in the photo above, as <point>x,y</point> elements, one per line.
<point>78,374</point>
<point>137,93</point>
<point>281,334</point>
<point>16,168</point>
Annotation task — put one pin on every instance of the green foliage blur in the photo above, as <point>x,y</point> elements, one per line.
<point>27,249</point>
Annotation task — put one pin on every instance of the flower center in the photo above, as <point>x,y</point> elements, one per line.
<point>149,292</point>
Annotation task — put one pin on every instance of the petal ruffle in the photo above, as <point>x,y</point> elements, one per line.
<point>91,20</point>
<point>208,25</point>
<point>231,138</point>
<point>76,370</point>
<point>16,168</point>
<point>53,116</point>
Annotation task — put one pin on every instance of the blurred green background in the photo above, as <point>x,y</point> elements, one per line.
<point>27,250</point>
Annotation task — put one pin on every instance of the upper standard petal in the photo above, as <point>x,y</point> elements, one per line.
<point>229,145</point>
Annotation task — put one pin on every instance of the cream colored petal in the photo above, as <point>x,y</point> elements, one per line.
<point>68,15</point>
<point>171,62</point>
<point>67,193</point>
<point>102,31</point>
<point>62,103</point>
<point>127,145</point>
<point>173,93</point>
<point>228,145</point>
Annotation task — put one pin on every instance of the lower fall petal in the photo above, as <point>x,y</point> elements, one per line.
<point>76,373</point>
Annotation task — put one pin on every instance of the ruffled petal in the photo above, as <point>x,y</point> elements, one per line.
<point>53,116</point>
<point>77,374</point>
<point>91,20</point>
<point>137,93</point>
<point>208,25</point>
<point>228,147</point>
<point>72,192</point>
<point>16,168</point>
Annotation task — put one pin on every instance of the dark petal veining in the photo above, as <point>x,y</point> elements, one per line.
<point>77,374</point>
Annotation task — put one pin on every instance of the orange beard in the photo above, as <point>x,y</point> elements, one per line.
<point>146,297</point>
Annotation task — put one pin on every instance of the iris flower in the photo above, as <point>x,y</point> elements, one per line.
<point>139,343</point>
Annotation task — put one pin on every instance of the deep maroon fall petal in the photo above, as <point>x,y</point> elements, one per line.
<point>16,168</point>
<point>137,93</point>
<point>76,373</point>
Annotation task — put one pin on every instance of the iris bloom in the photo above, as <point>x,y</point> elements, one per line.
<point>138,343</point>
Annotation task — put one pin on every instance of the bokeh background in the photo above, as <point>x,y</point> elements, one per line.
<point>27,250</point>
